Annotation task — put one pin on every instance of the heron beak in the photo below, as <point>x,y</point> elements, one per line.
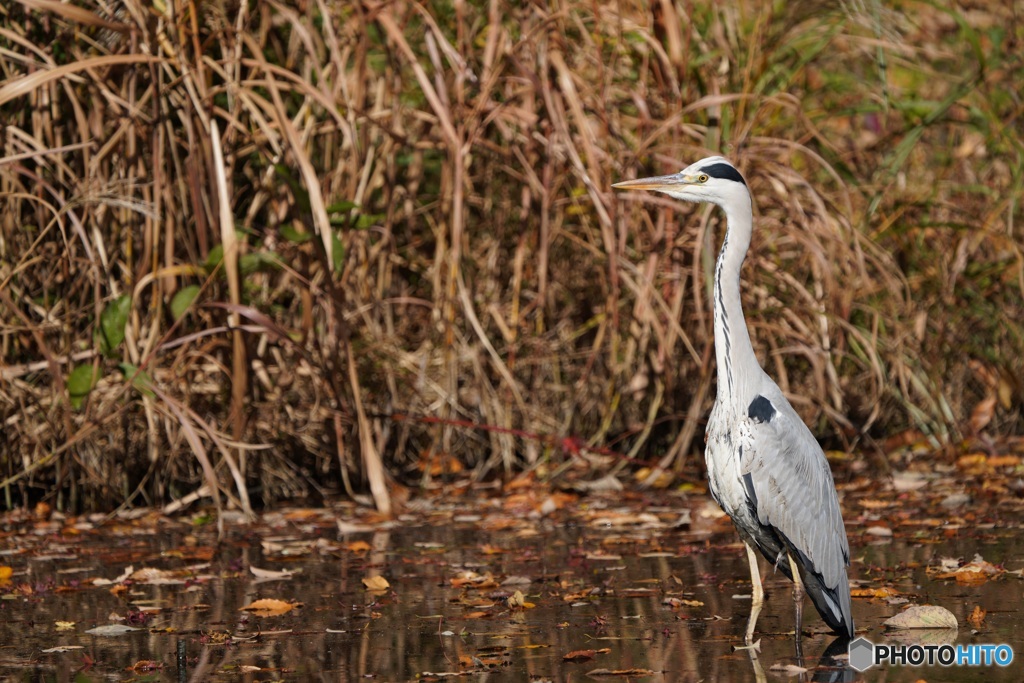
<point>662,182</point>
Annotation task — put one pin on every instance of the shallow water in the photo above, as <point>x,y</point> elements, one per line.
<point>671,600</point>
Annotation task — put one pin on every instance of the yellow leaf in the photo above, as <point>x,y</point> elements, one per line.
<point>269,607</point>
<point>376,583</point>
<point>882,592</point>
<point>517,601</point>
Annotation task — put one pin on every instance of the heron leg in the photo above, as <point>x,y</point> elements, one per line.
<point>759,676</point>
<point>758,597</point>
<point>798,603</point>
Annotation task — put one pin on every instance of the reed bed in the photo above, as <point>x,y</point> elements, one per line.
<point>260,251</point>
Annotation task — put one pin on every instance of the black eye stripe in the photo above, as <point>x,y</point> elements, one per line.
<point>724,171</point>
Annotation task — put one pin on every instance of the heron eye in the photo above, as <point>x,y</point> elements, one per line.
<point>703,177</point>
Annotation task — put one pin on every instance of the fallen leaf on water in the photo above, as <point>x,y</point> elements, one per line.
<point>517,601</point>
<point>977,618</point>
<point>376,583</point>
<point>357,547</point>
<point>64,625</point>
<point>145,665</point>
<point>603,557</point>
<point>584,655</point>
<point>488,549</point>
<point>620,519</point>
<point>908,481</point>
<point>155,577</point>
<point>5,573</point>
<point>270,573</point>
<point>346,527</point>
<point>269,607</point>
<point>470,579</point>
<point>112,630</point>
<point>883,592</point>
<point>620,672</point>
<point>976,571</point>
<point>581,595</point>
<point>971,576</point>
<point>286,547</point>
<point>872,504</point>
<point>215,637</point>
<point>922,616</point>
<point>682,602</point>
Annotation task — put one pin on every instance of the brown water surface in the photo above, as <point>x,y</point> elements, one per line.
<point>654,584</point>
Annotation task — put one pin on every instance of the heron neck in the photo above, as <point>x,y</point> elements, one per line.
<point>737,364</point>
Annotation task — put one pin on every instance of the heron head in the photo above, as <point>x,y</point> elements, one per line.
<point>713,180</point>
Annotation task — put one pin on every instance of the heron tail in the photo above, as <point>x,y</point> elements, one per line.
<point>833,604</point>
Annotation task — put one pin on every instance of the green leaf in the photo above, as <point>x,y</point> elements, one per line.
<point>183,298</point>
<point>342,205</point>
<point>337,252</point>
<point>112,324</point>
<point>214,258</point>
<point>216,254</point>
<point>140,379</point>
<point>293,234</point>
<point>80,382</point>
<point>368,220</point>
<point>260,260</point>
<point>203,519</point>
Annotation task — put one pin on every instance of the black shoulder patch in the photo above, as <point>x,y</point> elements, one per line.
<point>725,171</point>
<point>761,409</point>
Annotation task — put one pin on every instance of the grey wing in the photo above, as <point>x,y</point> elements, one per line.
<point>792,489</point>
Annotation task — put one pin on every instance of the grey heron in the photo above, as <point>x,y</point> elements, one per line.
<point>765,468</point>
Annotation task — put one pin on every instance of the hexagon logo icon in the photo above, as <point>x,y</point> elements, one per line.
<point>862,654</point>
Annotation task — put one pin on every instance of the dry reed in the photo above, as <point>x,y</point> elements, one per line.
<point>323,214</point>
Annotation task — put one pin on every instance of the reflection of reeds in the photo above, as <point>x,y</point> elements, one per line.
<point>418,197</point>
